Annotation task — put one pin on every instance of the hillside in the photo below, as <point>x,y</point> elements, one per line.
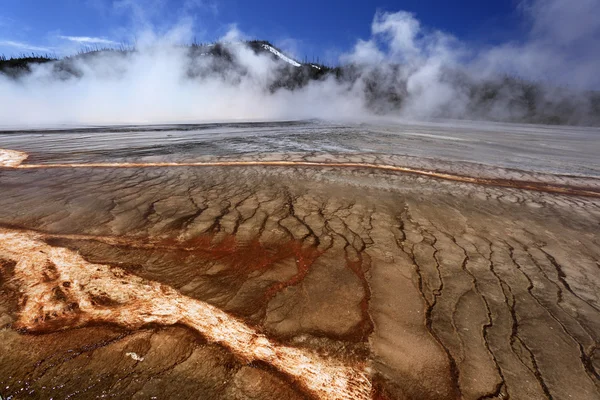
<point>384,88</point>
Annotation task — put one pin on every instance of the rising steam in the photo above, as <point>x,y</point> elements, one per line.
<point>403,70</point>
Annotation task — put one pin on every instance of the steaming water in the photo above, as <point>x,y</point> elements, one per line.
<point>563,150</point>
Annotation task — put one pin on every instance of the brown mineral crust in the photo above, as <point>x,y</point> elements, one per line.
<point>9,298</point>
<point>132,302</point>
<point>238,260</point>
<point>14,159</point>
<point>357,266</point>
<point>471,291</point>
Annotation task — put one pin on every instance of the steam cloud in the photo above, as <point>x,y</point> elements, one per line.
<point>431,73</point>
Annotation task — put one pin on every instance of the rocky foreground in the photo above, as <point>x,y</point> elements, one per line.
<point>297,276</point>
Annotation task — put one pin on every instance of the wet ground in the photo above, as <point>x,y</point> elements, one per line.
<point>301,260</point>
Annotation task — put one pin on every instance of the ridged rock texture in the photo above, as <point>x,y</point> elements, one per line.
<point>267,281</point>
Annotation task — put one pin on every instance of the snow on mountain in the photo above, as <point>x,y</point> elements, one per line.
<point>281,55</point>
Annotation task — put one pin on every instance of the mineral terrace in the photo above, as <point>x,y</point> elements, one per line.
<point>297,276</point>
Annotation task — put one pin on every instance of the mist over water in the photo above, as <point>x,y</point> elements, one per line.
<point>417,73</point>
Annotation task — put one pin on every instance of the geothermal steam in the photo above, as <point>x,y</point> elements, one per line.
<point>160,82</point>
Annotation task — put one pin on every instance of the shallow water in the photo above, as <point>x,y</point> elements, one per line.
<point>436,260</point>
<point>552,149</point>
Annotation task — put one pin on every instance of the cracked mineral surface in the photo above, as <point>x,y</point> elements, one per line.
<point>238,262</point>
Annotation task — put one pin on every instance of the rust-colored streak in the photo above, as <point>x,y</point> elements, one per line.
<point>357,266</point>
<point>14,159</point>
<point>305,257</point>
<point>242,259</point>
<point>60,290</point>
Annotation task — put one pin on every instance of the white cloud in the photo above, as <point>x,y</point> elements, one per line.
<point>87,40</point>
<point>365,52</point>
<point>402,59</point>
<point>24,46</point>
<point>401,30</point>
<point>562,45</point>
<point>233,35</point>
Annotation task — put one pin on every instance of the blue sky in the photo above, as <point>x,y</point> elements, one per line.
<point>308,28</point>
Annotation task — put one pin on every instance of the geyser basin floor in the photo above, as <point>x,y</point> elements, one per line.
<point>387,284</point>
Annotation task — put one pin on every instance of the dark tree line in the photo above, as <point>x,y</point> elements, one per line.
<point>384,88</point>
